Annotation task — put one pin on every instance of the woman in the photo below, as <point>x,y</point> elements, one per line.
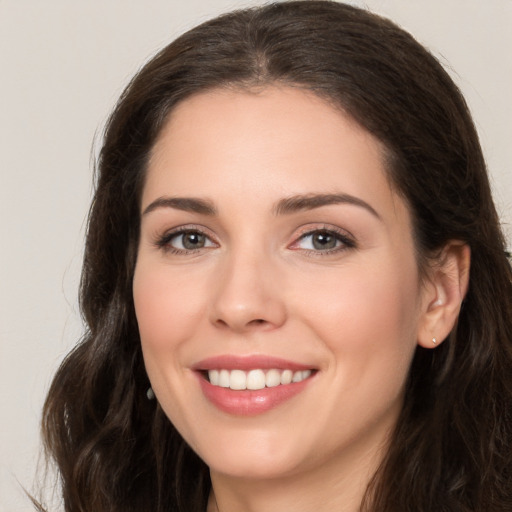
<point>295,284</point>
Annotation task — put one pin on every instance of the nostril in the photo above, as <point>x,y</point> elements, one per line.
<point>256,323</point>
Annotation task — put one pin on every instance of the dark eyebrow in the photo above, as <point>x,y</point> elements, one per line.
<point>310,201</point>
<point>188,204</point>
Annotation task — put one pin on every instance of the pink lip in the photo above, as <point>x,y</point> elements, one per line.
<point>249,402</point>
<point>246,363</point>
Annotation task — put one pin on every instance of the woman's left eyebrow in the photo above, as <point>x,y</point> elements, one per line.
<point>310,201</point>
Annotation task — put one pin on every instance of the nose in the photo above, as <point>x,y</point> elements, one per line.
<point>248,295</point>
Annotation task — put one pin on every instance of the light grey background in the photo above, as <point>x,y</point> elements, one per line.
<point>62,66</point>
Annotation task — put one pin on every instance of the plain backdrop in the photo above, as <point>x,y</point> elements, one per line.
<point>62,66</point>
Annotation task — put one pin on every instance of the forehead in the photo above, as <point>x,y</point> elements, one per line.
<point>266,144</point>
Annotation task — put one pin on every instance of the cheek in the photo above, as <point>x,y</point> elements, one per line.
<point>368,315</point>
<point>167,307</point>
<point>367,320</point>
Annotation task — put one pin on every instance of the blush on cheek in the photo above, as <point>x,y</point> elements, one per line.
<point>367,313</point>
<point>164,308</point>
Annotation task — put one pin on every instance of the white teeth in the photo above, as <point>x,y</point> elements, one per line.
<point>273,378</point>
<point>255,379</point>
<point>238,380</point>
<point>213,375</point>
<point>297,377</point>
<point>286,377</point>
<point>224,379</point>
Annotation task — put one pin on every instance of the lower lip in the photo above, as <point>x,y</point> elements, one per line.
<point>250,402</point>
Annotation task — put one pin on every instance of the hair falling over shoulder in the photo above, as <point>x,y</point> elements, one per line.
<point>452,449</point>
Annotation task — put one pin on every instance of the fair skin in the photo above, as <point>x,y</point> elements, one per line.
<point>239,269</point>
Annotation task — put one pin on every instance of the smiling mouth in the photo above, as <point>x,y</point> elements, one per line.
<point>239,380</point>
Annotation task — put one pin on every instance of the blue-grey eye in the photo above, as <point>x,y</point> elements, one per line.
<point>190,240</point>
<point>320,241</point>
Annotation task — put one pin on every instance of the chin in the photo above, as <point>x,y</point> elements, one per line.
<point>253,469</point>
<point>254,458</point>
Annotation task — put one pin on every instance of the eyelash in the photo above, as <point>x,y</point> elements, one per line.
<point>163,242</point>
<point>346,241</point>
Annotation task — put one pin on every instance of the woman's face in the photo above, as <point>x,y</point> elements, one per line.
<point>273,249</point>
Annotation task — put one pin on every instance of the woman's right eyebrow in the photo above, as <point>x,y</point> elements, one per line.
<point>188,204</point>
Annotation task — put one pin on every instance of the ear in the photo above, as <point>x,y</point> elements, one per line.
<point>444,292</point>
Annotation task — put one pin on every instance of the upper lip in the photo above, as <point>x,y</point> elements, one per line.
<point>249,362</point>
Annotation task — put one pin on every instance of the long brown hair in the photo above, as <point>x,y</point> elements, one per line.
<point>452,448</point>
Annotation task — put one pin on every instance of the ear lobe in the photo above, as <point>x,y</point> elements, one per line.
<point>444,292</point>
